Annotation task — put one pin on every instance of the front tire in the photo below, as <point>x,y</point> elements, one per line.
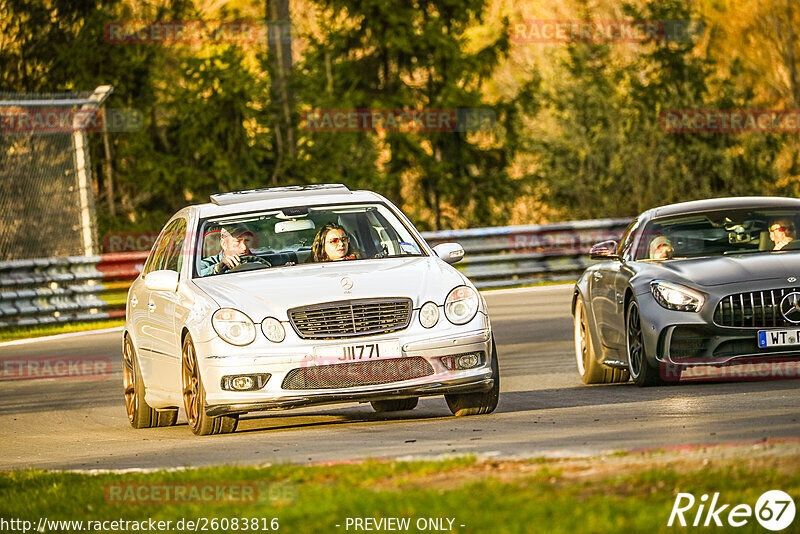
<point>395,405</point>
<point>140,414</point>
<point>642,373</point>
<point>590,370</point>
<point>194,398</point>
<point>461,404</point>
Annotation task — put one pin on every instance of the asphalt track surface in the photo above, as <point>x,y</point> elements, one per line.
<point>544,410</point>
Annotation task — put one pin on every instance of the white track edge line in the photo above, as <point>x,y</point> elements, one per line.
<point>60,336</point>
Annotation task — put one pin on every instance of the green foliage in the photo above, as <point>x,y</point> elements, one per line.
<point>610,155</point>
<point>477,495</point>
<point>589,131</point>
<point>410,56</point>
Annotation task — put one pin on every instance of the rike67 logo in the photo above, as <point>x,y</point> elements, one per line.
<point>774,510</point>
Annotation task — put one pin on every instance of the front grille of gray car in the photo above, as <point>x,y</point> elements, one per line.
<point>351,318</point>
<point>346,375</point>
<point>755,309</point>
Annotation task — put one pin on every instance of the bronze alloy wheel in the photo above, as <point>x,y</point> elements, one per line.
<point>191,385</point>
<point>194,398</point>
<point>140,414</point>
<point>590,370</point>
<point>129,380</point>
<point>582,354</point>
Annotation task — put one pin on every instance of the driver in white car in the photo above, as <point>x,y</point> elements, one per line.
<point>233,240</point>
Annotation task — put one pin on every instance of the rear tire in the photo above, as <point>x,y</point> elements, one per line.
<point>642,373</point>
<point>194,398</point>
<point>461,404</point>
<point>590,370</point>
<point>395,405</point>
<point>140,414</point>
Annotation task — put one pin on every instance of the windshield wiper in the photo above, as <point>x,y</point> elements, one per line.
<point>382,256</point>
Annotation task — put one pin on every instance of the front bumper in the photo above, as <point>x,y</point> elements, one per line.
<point>285,358</point>
<point>685,339</point>
<point>711,344</point>
<point>385,392</point>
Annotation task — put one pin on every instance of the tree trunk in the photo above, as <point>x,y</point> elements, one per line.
<point>279,60</point>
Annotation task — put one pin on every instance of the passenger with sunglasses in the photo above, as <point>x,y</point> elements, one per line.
<point>332,243</point>
<point>782,233</point>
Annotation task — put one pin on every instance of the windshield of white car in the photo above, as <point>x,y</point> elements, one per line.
<point>718,233</point>
<point>287,237</point>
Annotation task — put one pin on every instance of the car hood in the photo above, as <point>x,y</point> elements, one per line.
<point>270,292</point>
<point>721,270</point>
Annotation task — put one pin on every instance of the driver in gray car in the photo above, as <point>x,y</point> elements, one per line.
<point>233,240</point>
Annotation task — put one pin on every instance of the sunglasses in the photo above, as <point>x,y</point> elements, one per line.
<point>337,240</point>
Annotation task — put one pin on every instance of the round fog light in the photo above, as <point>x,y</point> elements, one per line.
<point>467,361</point>
<point>242,382</point>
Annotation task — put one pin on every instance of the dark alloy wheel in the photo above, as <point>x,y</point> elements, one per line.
<point>642,373</point>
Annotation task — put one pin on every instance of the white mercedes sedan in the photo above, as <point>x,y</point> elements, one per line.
<point>296,296</point>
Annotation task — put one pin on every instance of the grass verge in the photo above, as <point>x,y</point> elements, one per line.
<point>9,334</point>
<point>615,493</point>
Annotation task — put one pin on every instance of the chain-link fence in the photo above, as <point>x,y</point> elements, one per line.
<point>46,198</point>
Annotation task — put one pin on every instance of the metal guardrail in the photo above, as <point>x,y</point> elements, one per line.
<point>65,290</point>
<point>516,255</point>
<point>75,289</point>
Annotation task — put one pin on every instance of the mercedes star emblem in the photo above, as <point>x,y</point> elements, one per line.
<point>790,307</point>
<point>347,284</point>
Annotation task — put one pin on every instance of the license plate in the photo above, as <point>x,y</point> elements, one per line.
<point>778,338</point>
<point>357,352</point>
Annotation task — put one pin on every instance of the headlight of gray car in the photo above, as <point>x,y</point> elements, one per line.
<point>233,326</point>
<point>273,330</point>
<point>461,305</point>
<point>676,297</point>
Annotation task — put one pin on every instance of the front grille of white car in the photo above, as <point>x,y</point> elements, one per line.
<point>345,375</point>
<point>351,318</point>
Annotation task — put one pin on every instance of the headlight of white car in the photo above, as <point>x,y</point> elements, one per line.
<point>233,326</point>
<point>461,305</point>
<point>676,297</point>
<point>273,330</point>
<point>429,315</point>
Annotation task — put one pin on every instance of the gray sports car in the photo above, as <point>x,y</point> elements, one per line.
<point>708,282</point>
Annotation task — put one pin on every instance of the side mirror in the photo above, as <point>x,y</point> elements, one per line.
<point>449,252</point>
<point>607,250</point>
<point>163,280</point>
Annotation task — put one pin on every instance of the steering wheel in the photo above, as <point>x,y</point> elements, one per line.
<point>245,259</point>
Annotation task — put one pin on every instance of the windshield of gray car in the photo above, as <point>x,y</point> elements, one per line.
<point>718,233</point>
<point>302,235</point>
